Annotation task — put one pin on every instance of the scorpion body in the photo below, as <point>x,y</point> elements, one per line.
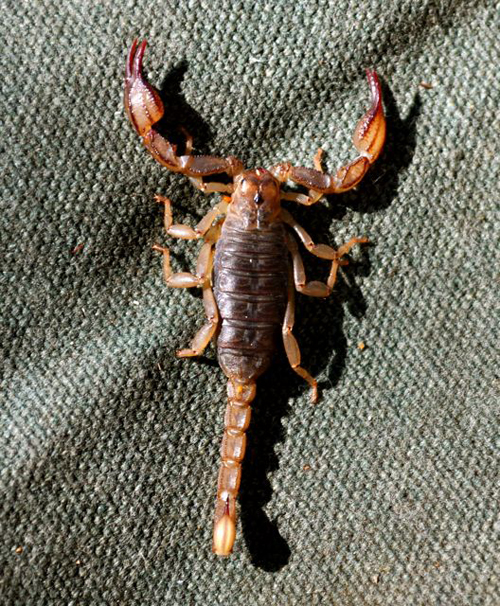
<point>249,265</point>
<point>250,288</point>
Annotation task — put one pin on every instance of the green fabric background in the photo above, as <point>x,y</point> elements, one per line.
<point>386,492</point>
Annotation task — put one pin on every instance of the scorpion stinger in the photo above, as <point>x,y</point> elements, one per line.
<point>145,109</point>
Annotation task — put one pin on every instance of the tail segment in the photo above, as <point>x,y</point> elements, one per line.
<point>233,447</point>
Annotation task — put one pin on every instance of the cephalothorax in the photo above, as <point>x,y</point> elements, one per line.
<point>249,264</point>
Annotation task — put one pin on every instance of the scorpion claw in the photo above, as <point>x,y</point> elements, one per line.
<point>145,109</point>
<point>369,137</point>
<point>142,101</point>
<point>138,59</point>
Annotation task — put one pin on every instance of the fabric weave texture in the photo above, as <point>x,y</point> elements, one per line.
<point>386,491</point>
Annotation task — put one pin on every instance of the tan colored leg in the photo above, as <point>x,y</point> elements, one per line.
<point>212,186</point>
<point>205,229</point>
<point>341,251</point>
<point>203,337</point>
<point>203,265</point>
<point>201,279</point>
<point>292,347</point>
<point>322,250</point>
<point>179,280</point>
<point>185,232</point>
<point>299,198</point>
<point>314,288</point>
<point>210,233</point>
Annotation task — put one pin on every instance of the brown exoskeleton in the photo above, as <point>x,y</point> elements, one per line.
<point>249,264</point>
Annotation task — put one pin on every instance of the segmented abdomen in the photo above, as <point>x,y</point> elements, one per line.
<point>250,287</point>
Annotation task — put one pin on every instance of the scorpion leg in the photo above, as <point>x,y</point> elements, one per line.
<point>323,251</point>
<point>204,271</point>
<point>314,288</point>
<point>204,229</point>
<point>292,347</point>
<point>202,278</point>
<point>203,337</point>
<point>179,280</point>
<point>211,187</point>
<point>369,138</point>
<point>145,109</point>
<point>184,231</point>
<point>341,251</point>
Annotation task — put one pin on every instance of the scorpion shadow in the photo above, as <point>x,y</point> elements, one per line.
<point>179,114</point>
<point>268,549</point>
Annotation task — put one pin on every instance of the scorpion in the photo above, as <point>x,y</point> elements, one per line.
<point>249,264</point>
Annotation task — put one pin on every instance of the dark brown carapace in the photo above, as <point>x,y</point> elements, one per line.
<point>249,265</point>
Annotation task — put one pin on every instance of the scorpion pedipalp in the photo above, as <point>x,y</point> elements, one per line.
<point>143,104</point>
<point>145,109</point>
<point>369,136</point>
<point>368,139</point>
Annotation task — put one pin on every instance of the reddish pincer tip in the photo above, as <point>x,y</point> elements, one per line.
<point>134,59</point>
<point>130,59</point>
<point>139,56</point>
<point>375,87</point>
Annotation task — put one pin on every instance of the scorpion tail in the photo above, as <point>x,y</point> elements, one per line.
<point>236,422</point>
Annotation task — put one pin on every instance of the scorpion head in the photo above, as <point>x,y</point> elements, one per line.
<point>256,198</point>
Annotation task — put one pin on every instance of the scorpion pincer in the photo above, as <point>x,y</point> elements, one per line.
<point>249,264</point>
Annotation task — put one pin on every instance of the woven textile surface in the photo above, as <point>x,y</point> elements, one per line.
<point>385,492</point>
